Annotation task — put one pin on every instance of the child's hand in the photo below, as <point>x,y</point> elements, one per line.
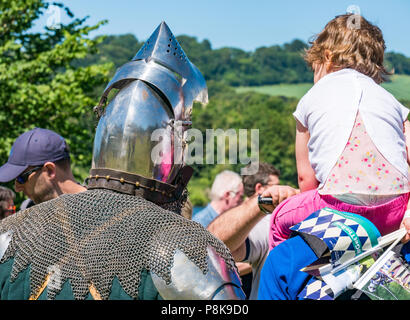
<point>406,224</point>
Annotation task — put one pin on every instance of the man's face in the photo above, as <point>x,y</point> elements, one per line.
<point>37,187</point>
<point>236,198</point>
<point>272,181</point>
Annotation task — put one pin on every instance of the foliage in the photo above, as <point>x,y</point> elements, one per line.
<point>267,65</point>
<point>398,62</point>
<point>276,64</point>
<point>272,116</point>
<point>54,78</point>
<point>296,90</point>
<point>39,87</point>
<point>115,49</point>
<point>398,85</point>
<point>232,66</point>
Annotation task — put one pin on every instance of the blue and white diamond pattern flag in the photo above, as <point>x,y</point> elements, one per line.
<point>316,290</point>
<point>345,234</point>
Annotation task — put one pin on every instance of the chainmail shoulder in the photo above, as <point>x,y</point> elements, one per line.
<point>93,236</point>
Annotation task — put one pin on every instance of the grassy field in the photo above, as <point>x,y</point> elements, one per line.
<point>287,90</point>
<point>399,87</point>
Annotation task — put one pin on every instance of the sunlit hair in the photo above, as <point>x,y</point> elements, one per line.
<point>359,46</point>
<point>225,181</point>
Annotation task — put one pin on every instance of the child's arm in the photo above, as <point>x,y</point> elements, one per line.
<point>306,174</point>
<point>406,130</point>
<point>406,220</point>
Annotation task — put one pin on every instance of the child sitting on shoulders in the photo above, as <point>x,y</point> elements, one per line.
<point>351,144</point>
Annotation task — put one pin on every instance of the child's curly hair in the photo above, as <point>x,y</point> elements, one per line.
<point>360,48</point>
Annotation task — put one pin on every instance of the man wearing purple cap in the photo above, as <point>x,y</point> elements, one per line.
<point>39,162</point>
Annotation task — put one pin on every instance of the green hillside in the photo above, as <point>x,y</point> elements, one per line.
<point>54,79</point>
<point>399,87</point>
<point>285,90</point>
<point>264,66</point>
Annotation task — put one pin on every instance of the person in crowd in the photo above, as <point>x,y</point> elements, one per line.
<point>246,232</point>
<point>267,175</point>
<point>39,162</point>
<point>7,206</point>
<point>226,192</point>
<point>351,134</point>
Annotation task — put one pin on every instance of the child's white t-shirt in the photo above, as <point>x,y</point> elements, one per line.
<point>328,110</point>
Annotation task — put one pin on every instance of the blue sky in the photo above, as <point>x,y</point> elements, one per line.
<point>241,24</point>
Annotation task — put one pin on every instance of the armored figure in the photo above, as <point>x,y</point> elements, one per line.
<point>124,237</point>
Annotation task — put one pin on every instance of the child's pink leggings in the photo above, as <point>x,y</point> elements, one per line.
<point>386,217</point>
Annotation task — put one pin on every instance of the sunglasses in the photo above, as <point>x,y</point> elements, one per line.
<point>22,179</point>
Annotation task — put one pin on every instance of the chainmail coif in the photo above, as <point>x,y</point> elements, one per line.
<point>93,236</point>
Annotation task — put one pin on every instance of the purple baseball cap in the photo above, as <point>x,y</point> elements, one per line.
<point>33,148</point>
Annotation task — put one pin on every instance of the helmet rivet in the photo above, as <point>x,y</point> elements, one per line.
<point>122,180</point>
<point>137,184</point>
<point>96,176</point>
<point>107,177</point>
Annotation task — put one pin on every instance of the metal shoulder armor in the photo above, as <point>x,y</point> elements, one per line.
<point>189,283</point>
<point>4,242</point>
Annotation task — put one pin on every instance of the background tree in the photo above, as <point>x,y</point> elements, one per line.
<point>275,64</point>
<point>39,85</point>
<point>53,79</point>
<point>272,116</point>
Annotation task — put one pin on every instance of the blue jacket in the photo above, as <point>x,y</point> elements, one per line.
<point>281,278</point>
<point>205,216</point>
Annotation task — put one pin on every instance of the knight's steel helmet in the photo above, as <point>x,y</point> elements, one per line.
<point>139,141</point>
